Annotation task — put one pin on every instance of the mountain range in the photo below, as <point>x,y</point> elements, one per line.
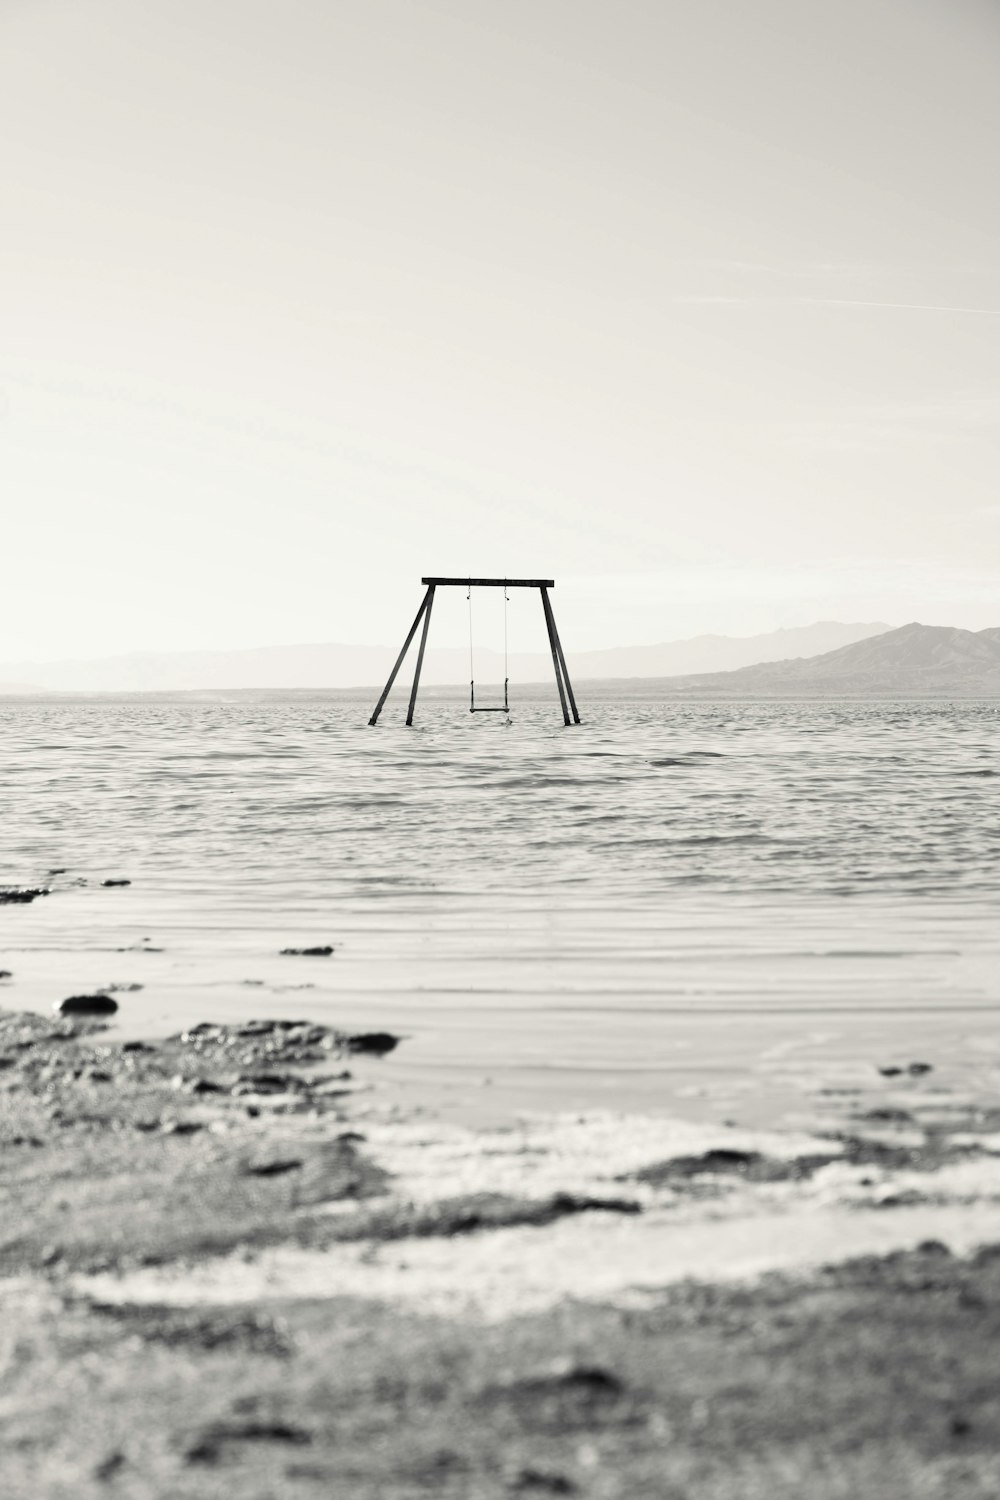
<point>865,661</point>
<point>341,666</point>
<point>915,661</point>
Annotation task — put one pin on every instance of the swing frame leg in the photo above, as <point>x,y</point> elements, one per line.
<point>400,658</point>
<point>562,659</point>
<point>550,627</point>
<point>420,654</point>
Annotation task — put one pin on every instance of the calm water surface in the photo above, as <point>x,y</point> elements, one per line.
<point>670,903</point>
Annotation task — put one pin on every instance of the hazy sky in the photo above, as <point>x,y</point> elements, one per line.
<point>691,304</point>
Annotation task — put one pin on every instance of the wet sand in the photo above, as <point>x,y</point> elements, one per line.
<point>231,1264</point>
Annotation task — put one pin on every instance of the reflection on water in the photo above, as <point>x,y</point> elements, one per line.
<point>524,898</point>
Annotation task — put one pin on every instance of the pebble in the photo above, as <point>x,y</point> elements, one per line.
<point>377,1042</point>
<point>22,895</point>
<point>116,882</point>
<point>542,1481</point>
<point>194,1085</point>
<point>322,952</point>
<point>276,1168</point>
<point>266,1083</point>
<point>87,1005</point>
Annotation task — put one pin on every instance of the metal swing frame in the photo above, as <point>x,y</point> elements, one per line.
<point>566,697</point>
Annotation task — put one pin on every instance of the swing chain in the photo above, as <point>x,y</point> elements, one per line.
<point>506,665</point>
<point>472,666</point>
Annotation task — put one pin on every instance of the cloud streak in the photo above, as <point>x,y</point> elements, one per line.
<point>855,302</point>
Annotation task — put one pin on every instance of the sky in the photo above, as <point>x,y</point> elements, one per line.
<point>693,307</point>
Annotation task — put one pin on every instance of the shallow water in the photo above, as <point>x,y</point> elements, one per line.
<point>683,906</point>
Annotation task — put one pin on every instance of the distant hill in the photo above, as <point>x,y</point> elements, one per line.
<point>336,666</point>
<point>915,661</point>
<point>713,653</point>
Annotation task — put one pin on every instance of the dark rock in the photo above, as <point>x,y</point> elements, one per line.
<point>888,1116</point>
<point>470,1213</point>
<point>917,1069</point>
<point>115,882</point>
<point>123,989</point>
<point>273,1168</point>
<point>591,1378</point>
<point>181,1127</point>
<point>195,1085</point>
<point>375,1042</point>
<point>110,1466</point>
<point>722,1160</point>
<point>267,1083</point>
<point>563,1390</point>
<point>20,897</point>
<point>137,1047</point>
<point>890,1072</point>
<point>321,952</point>
<point>960,1426</point>
<point>55,872</point>
<point>541,1482</point>
<point>207,1448</point>
<point>908,1199</point>
<point>87,1005</point>
<point>6,974</point>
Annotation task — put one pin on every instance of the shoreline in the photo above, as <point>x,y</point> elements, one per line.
<point>226,1227</point>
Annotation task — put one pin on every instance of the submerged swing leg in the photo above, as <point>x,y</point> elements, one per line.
<point>420,654</point>
<point>562,660</point>
<point>550,627</point>
<point>399,659</point>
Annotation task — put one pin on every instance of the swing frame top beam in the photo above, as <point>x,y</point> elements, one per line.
<point>491,583</point>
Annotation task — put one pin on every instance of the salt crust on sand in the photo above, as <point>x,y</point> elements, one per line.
<point>589,1154</point>
<point>750,1228</point>
<point>598,1256</point>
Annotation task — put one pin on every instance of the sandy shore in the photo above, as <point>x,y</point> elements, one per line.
<point>229,1267</point>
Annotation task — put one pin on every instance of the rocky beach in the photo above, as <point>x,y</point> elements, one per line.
<point>228,1266</point>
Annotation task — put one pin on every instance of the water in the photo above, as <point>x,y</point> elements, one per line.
<point>704,906</point>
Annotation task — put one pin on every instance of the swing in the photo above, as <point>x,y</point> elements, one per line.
<point>543,585</point>
<point>491,708</point>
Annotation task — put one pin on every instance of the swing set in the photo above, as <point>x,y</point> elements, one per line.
<point>566,698</point>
